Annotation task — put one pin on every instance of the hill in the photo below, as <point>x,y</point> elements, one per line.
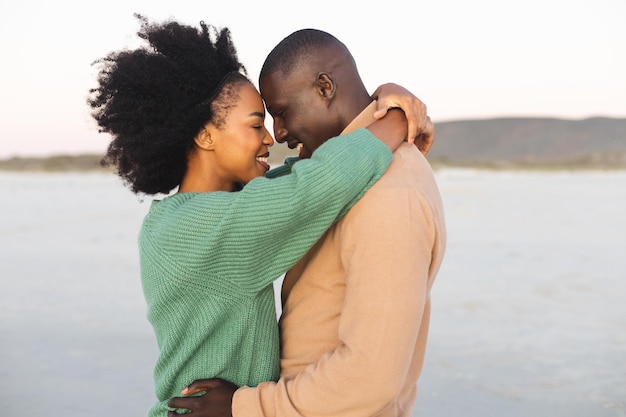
<point>541,142</point>
<point>91,162</point>
<point>88,162</point>
<point>593,143</point>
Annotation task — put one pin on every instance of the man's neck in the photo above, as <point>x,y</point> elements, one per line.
<point>356,104</point>
<point>363,119</point>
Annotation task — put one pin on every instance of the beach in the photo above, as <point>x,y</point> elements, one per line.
<point>529,311</point>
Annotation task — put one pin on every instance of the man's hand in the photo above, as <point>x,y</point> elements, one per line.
<point>421,130</point>
<point>216,402</point>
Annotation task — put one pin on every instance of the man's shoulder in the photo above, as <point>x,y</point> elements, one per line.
<point>407,167</point>
<point>409,180</point>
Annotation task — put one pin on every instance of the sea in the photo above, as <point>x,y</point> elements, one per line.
<point>529,307</point>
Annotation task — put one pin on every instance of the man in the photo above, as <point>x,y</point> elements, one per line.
<point>356,308</point>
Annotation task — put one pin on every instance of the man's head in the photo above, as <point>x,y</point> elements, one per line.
<point>312,89</point>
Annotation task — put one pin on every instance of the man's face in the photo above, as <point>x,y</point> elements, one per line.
<point>301,113</point>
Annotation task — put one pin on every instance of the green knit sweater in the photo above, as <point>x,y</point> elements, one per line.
<point>208,261</point>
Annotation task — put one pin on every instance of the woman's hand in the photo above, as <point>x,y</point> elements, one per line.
<point>421,130</point>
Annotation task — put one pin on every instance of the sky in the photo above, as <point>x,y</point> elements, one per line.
<point>465,59</point>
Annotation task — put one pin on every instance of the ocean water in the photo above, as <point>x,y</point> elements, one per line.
<point>529,308</point>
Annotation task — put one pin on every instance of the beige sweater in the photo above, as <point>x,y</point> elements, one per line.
<point>356,308</point>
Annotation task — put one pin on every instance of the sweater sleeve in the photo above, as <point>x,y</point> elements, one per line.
<point>284,169</point>
<point>271,223</point>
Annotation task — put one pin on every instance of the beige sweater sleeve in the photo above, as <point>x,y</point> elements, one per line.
<point>387,242</point>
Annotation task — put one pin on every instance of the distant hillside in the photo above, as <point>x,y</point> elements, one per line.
<point>91,162</point>
<point>598,142</point>
<point>594,142</point>
<point>55,163</point>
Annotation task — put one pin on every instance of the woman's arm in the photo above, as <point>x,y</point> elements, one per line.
<point>421,130</point>
<point>270,224</point>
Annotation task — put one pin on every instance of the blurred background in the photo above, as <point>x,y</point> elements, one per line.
<point>530,156</point>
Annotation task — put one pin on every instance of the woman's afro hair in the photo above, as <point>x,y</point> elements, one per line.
<point>154,99</point>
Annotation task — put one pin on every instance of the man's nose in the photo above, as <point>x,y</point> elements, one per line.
<point>280,134</point>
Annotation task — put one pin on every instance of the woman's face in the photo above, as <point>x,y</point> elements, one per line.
<point>240,144</point>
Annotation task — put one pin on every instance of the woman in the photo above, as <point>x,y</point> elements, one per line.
<point>184,117</point>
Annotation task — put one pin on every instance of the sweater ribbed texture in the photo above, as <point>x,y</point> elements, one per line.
<point>208,261</point>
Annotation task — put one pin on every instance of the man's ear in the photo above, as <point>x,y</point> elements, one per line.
<point>326,85</point>
<point>204,139</point>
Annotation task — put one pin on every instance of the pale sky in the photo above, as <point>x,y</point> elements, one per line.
<point>464,59</point>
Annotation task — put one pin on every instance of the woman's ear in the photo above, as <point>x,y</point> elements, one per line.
<point>204,139</point>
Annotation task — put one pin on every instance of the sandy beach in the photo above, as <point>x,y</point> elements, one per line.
<point>529,317</point>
